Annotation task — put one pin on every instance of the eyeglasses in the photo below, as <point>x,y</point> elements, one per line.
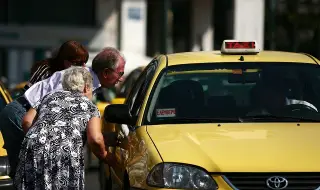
<point>120,74</point>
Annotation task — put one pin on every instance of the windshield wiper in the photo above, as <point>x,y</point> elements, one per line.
<point>200,120</point>
<point>277,118</point>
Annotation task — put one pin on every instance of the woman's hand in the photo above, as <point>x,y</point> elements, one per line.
<point>95,138</point>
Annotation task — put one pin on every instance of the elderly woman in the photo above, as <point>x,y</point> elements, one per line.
<point>56,129</point>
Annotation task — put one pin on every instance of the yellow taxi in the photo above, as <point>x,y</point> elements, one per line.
<point>5,180</point>
<point>239,118</point>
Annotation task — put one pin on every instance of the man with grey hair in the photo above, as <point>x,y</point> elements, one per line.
<point>109,66</point>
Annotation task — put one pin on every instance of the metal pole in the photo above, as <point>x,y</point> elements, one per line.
<point>273,5</point>
<point>317,41</point>
<point>119,10</point>
<point>164,28</point>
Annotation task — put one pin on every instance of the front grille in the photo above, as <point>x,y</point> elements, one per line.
<point>295,181</point>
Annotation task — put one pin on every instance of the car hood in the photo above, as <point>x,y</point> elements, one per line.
<point>240,147</point>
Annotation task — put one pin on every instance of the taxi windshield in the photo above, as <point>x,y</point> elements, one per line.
<point>236,92</point>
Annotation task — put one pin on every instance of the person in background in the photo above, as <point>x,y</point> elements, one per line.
<point>52,155</point>
<point>70,53</point>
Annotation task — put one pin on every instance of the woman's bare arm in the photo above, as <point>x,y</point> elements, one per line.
<point>95,138</point>
<point>28,119</point>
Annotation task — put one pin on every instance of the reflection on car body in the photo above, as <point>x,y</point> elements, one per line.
<point>222,119</point>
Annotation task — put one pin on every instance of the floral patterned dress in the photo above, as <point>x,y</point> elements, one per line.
<point>52,154</point>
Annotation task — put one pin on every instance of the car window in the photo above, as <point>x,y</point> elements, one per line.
<point>128,83</point>
<point>136,95</point>
<point>130,100</point>
<point>231,91</point>
<point>146,80</point>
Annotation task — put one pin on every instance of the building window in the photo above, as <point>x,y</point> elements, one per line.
<point>58,12</point>
<point>223,12</point>
<point>4,11</point>
<point>293,26</point>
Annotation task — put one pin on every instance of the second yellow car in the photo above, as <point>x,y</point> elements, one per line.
<point>5,180</point>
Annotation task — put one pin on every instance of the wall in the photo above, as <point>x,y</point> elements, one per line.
<point>107,17</point>
<point>133,26</point>
<point>202,30</point>
<point>21,41</point>
<point>249,20</point>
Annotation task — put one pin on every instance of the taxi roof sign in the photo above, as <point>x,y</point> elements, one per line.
<point>239,47</point>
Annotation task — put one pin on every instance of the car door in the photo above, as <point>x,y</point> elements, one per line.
<point>134,101</point>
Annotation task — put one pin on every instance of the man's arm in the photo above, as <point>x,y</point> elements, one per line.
<point>38,90</point>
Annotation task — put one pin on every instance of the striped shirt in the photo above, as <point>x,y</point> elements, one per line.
<point>43,72</point>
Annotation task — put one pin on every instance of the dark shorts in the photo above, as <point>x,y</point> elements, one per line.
<point>11,120</point>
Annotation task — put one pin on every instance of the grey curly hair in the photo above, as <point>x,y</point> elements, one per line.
<point>76,78</point>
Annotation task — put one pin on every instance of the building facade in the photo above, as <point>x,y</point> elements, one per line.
<point>150,27</point>
<point>28,30</point>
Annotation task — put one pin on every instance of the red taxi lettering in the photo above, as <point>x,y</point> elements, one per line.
<point>170,112</point>
<point>240,45</point>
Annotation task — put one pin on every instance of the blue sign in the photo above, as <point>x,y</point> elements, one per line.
<point>134,13</point>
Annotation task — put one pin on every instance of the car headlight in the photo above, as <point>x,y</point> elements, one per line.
<point>4,166</point>
<point>180,176</point>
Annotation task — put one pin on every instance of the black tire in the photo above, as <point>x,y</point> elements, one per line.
<point>105,181</point>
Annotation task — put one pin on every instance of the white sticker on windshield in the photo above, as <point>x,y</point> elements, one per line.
<point>168,112</point>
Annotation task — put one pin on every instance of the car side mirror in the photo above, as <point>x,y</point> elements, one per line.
<point>118,113</point>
